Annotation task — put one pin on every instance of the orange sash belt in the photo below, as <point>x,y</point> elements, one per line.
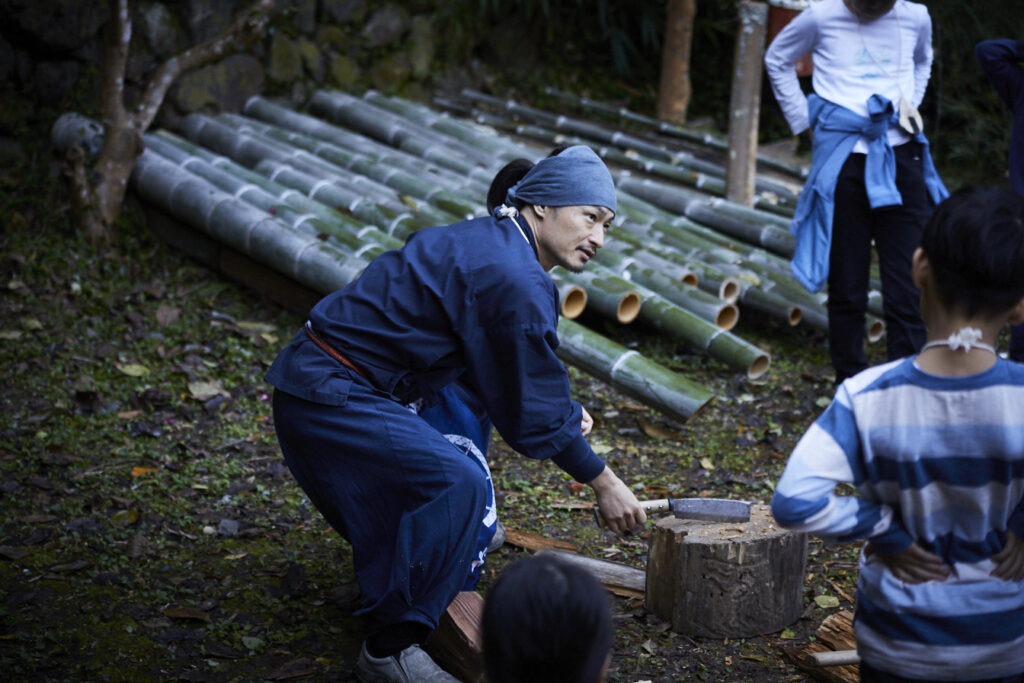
<point>333,352</point>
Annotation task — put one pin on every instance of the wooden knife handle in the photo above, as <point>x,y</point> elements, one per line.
<point>657,505</point>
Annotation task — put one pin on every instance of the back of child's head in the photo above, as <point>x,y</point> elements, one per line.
<point>546,620</point>
<point>974,241</point>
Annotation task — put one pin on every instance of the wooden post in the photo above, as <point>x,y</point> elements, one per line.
<point>745,102</point>
<point>726,580</point>
<point>674,89</point>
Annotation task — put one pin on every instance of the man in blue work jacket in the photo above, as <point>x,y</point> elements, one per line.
<point>473,303</point>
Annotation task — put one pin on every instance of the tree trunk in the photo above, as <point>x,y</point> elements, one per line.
<point>674,90</point>
<point>745,102</point>
<point>98,191</point>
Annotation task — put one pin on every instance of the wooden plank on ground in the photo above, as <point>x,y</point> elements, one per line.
<point>835,635</point>
<point>617,578</point>
<point>457,644</point>
<point>535,542</point>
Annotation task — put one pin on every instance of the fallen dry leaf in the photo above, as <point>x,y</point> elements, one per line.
<point>657,431</point>
<point>132,369</point>
<point>13,553</point>
<point>187,613</point>
<point>167,315</point>
<point>297,668</point>
<point>250,326</point>
<point>139,471</point>
<point>204,391</point>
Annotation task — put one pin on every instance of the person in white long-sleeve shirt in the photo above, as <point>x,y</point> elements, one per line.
<point>867,54</point>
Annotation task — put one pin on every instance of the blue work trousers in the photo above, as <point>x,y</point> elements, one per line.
<point>408,501</point>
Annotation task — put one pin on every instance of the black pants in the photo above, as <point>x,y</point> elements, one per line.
<point>869,674</point>
<point>896,232</point>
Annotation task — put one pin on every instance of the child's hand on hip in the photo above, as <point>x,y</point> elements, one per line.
<point>1010,559</point>
<point>913,565</point>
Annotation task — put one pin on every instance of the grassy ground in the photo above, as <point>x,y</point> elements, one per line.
<point>148,527</point>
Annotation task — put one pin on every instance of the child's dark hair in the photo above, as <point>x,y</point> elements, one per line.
<point>510,174</point>
<point>546,620</point>
<point>975,244</point>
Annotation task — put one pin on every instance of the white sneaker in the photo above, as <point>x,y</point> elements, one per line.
<point>411,665</point>
<point>498,539</point>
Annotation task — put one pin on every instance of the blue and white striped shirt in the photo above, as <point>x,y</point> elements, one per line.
<point>939,461</point>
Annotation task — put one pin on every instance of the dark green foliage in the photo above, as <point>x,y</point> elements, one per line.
<point>970,125</point>
<point>624,34</point>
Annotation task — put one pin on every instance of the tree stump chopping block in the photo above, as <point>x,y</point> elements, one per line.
<point>726,579</point>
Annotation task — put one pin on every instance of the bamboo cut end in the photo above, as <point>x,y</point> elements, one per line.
<point>727,317</point>
<point>628,308</point>
<point>759,366</point>
<point>875,330</point>
<point>691,279</point>
<point>574,301</point>
<point>729,290</point>
<point>795,316</point>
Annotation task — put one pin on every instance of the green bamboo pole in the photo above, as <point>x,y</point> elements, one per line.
<point>666,128</point>
<point>245,228</point>
<point>722,313</point>
<point>342,232</point>
<point>666,316</point>
<point>485,140</point>
<point>631,151</point>
<point>331,158</point>
<point>283,119</point>
<point>381,125</point>
<point>691,172</point>
<point>355,235</point>
<point>572,300</point>
<point>249,150</point>
<point>631,373</point>
<point>765,234</point>
<point>617,300</point>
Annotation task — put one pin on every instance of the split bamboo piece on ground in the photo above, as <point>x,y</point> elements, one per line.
<point>629,372</point>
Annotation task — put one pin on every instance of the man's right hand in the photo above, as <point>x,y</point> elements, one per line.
<point>617,504</point>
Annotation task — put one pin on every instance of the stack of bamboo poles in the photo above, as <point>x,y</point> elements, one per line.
<point>665,168</point>
<point>318,195</point>
<point>277,142</point>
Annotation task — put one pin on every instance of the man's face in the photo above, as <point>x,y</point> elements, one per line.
<point>569,236</point>
<point>869,10</point>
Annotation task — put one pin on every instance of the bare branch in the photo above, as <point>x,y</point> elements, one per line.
<point>115,57</point>
<point>247,27</point>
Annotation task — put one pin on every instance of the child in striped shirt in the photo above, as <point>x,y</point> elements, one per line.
<point>934,445</point>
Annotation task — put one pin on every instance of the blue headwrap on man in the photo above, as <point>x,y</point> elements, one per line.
<point>574,177</point>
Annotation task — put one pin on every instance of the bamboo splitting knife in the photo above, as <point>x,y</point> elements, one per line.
<point>705,509</point>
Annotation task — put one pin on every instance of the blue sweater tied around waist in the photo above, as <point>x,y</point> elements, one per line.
<point>836,131</point>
